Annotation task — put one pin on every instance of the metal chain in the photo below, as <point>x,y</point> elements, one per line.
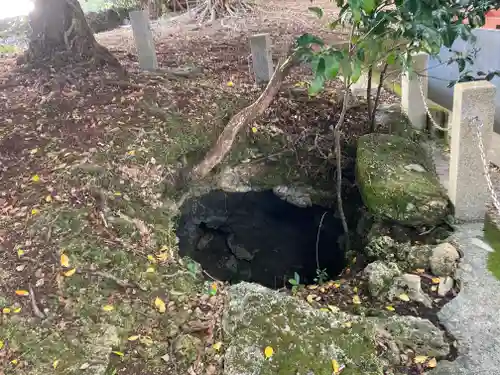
<point>486,164</point>
<point>424,99</point>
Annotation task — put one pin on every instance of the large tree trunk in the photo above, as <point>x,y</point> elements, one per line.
<point>61,35</point>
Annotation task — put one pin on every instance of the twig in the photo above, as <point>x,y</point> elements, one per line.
<point>317,239</point>
<point>369,93</point>
<point>119,282</point>
<point>34,306</point>
<point>213,278</point>
<point>377,97</point>
<point>125,84</point>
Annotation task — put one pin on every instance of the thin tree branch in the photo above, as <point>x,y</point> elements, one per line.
<point>377,97</point>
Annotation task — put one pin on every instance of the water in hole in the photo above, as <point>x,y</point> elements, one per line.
<point>258,237</point>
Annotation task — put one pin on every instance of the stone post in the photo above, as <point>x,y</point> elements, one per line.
<point>468,189</point>
<point>143,40</point>
<point>262,60</point>
<point>411,97</point>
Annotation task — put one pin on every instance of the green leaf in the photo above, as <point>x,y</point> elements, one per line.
<point>368,5</point>
<point>317,85</point>
<point>307,39</point>
<point>316,10</point>
<point>345,65</point>
<point>356,71</point>
<point>332,65</point>
<point>391,59</point>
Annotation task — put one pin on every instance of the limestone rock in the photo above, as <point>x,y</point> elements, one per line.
<point>293,195</point>
<point>101,343</point>
<point>380,276</point>
<point>411,285</point>
<point>391,117</point>
<point>392,191</point>
<point>445,285</point>
<point>238,250</point>
<point>304,339</point>
<point>417,334</point>
<point>186,349</point>
<point>444,259</point>
<point>406,256</point>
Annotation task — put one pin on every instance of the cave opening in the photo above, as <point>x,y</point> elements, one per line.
<point>256,236</point>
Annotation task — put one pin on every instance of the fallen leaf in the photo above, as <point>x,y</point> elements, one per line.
<point>55,364</point>
<point>230,84</point>
<point>420,359</point>
<point>254,129</point>
<point>1,344</point>
<point>33,151</point>
<point>120,354</point>
<point>432,363</point>
<point>146,340</point>
<point>324,309</point>
<point>335,366</point>
<point>436,280</point>
<point>117,194</point>
<point>131,153</point>
<point>356,300</point>
<point>347,324</point>
<point>217,345</point>
<point>333,308</point>
<point>160,305</point>
<point>64,260</point>
<point>69,273</point>
<point>35,178</point>
<point>434,288</point>
<point>48,198</point>
<point>419,270</point>
<point>312,287</point>
<point>17,310</point>
<point>310,298</point>
<point>85,366</point>
<point>404,297</point>
<point>22,293</point>
<point>21,267</point>
<point>6,310</point>
<point>14,362</point>
<point>268,352</point>
<point>35,211</point>
<point>390,308</point>
<point>133,338</point>
<point>108,308</point>
<point>151,258</point>
<point>355,289</point>
<point>150,270</point>
<point>20,253</point>
<point>162,257</point>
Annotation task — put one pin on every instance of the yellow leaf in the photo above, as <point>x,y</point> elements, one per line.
<point>312,287</point>
<point>335,366</point>
<point>117,194</point>
<point>17,310</point>
<point>150,270</point>
<point>64,260</point>
<point>356,300</point>
<point>162,257</point>
<point>347,324</point>
<point>69,273</point>
<point>230,84</point>
<point>268,352</point>
<point>133,338</point>
<point>108,308</point>
<point>14,362</point>
<point>420,359</point>
<point>404,297</point>
<point>33,151</point>
<point>434,288</point>
<point>310,298</point>
<point>355,289</point>
<point>217,345</point>
<point>436,280</point>
<point>432,363</point>
<point>20,253</point>
<point>48,198</point>
<point>6,310</point>
<point>120,354</point>
<point>254,129</point>
<point>35,211</point>
<point>55,364</point>
<point>131,153</point>
<point>35,178</point>
<point>390,308</point>
<point>1,344</point>
<point>151,258</point>
<point>336,285</point>
<point>322,290</point>
<point>324,309</point>
<point>333,308</point>
<point>160,305</point>
<point>419,270</point>
<point>22,293</point>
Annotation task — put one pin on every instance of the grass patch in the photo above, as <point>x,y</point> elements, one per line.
<point>492,236</point>
<point>7,48</point>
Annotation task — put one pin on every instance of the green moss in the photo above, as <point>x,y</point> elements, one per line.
<point>492,236</point>
<point>390,190</point>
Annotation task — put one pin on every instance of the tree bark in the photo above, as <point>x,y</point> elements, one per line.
<point>60,35</point>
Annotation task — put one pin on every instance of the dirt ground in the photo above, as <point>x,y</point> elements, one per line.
<point>86,243</point>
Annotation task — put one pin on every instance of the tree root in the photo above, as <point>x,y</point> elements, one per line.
<point>210,10</point>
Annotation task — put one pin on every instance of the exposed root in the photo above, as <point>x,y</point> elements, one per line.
<point>34,305</point>
<point>210,10</point>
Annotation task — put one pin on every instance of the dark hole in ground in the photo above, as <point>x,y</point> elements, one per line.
<point>256,236</point>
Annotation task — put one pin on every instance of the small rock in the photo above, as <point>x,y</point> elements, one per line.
<point>444,259</point>
<point>186,349</point>
<point>293,195</point>
<point>415,168</point>
<point>238,250</point>
<point>414,289</point>
<point>166,357</point>
<point>380,276</point>
<point>210,370</point>
<point>445,285</point>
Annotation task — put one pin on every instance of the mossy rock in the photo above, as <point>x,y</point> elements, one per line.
<point>398,181</point>
<point>305,340</point>
<point>492,236</point>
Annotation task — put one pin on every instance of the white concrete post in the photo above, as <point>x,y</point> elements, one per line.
<point>411,97</point>
<point>468,189</point>
<point>360,87</point>
<point>262,60</point>
<point>143,40</point>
